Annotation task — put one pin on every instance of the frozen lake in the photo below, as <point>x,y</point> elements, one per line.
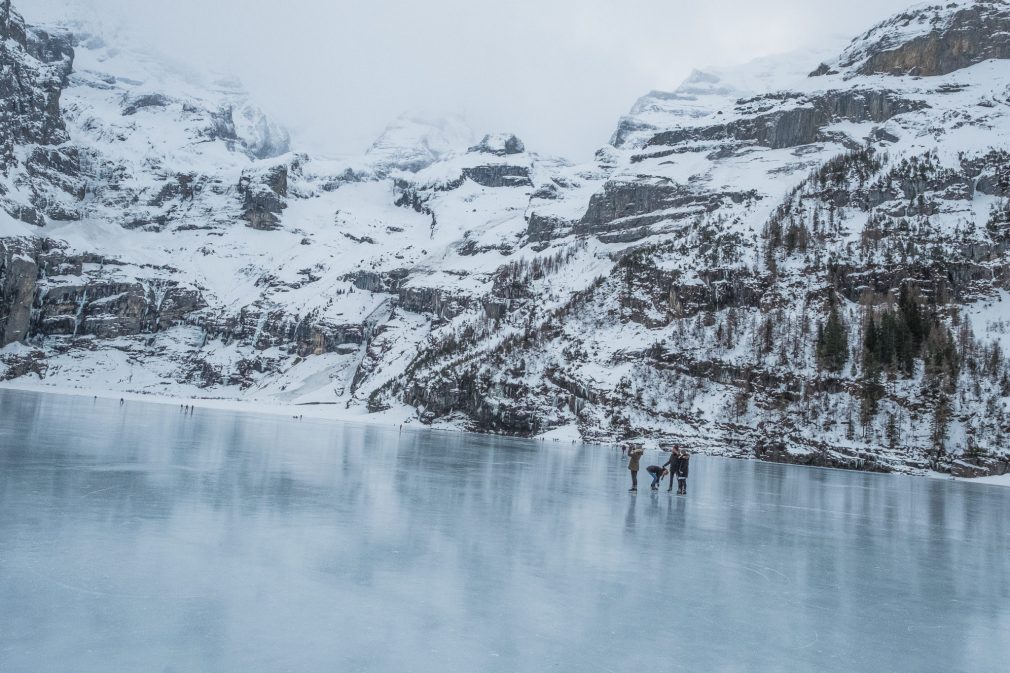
<point>140,539</point>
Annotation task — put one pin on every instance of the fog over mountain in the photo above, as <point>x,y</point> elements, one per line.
<point>555,73</point>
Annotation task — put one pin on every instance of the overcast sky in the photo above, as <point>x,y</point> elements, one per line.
<point>558,73</point>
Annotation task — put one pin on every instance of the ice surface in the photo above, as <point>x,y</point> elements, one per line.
<point>141,538</point>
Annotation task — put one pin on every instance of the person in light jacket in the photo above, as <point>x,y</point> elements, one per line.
<point>634,458</point>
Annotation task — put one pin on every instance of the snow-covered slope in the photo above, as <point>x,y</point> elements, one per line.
<point>802,259</point>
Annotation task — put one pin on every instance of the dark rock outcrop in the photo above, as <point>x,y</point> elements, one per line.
<point>499,175</point>
<point>18,274</point>
<point>109,309</point>
<point>322,337</point>
<point>448,396</point>
<point>543,228</point>
<point>801,125</point>
<point>990,173</point>
<point>628,127</point>
<point>371,281</point>
<point>823,69</point>
<point>971,468</point>
<point>134,104</point>
<point>137,309</point>
<point>499,144</point>
<point>273,327</point>
<point>33,305</point>
<point>624,207</point>
<point>956,40</point>
<point>263,195</point>
<point>432,301</point>
<point>34,67</point>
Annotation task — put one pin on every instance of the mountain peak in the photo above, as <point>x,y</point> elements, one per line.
<point>414,141</point>
<point>930,40</point>
<point>500,144</point>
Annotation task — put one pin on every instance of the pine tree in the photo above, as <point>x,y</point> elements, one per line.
<point>871,336</point>
<point>832,342</point>
<point>940,425</point>
<point>892,431</point>
<point>872,393</point>
<point>911,313</point>
<point>768,336</point>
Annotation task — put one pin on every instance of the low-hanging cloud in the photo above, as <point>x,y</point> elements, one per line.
<point>558,73</point>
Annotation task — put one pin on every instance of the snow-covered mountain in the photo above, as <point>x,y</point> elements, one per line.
<point>802,261</point>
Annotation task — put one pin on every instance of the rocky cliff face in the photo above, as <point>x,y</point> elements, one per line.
<point>49,290</point>
<point>813,271</point>
<point>38,66</point>
<point>933,40</point>
<point>34,156</point>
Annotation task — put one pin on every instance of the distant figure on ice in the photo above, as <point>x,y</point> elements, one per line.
<point>121,401</point>
<point>657,473</point>
<point>682,465</point>
<point>635,456</point>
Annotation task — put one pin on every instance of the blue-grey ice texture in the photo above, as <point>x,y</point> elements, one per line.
<point>139,538</point>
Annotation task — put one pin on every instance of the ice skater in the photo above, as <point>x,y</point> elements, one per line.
<point>634,459</point>
<point>657,472</point>
<point>682,467</point>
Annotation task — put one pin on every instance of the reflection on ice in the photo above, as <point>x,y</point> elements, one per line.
<point>139,538</point>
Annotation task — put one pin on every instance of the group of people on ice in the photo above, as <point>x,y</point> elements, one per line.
<point>677,466</point>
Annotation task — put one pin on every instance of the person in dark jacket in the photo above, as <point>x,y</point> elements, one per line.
<point>682,467</point>
<point>635,457</point>
<point>657,473</point>
<point>671,465</point>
